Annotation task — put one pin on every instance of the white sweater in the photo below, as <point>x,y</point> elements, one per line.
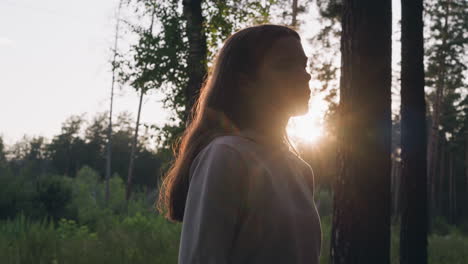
<point>249,203</point>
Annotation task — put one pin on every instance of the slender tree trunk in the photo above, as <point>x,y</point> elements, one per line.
<point>399,191</point>
<point>396,182</point>
<point>294,13</point>
<point>109,129</point>
<point>454,180</point>
<point>197,54</point>
<point>466,169</point>
<point>362,199</point>
<point>135,136</point>
<point>414,220</point>
<point>393,186</point>
<point>450,188</point>
<point>132,153</point>
<point>440,178</point>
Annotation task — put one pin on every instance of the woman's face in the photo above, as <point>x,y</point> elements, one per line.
<point>283,77</point>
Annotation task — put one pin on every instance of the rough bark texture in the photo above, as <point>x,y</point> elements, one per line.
<point>414,219</point>
<point>197,54</point>
<point>362,200</point>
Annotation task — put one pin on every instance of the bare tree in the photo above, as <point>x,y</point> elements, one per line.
<point>109,130</point>
<point>143,90</point>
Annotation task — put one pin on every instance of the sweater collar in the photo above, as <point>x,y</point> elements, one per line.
<point>259,138</point>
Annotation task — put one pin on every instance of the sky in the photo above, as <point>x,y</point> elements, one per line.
<point>55,62</point>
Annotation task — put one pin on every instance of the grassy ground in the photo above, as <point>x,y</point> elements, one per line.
<point>150,239</point>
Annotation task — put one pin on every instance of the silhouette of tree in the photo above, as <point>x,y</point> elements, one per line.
<point>361,214</point>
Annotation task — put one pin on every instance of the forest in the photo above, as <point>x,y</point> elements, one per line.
<point>87,194</point>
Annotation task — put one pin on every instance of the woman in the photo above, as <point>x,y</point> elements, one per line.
<point>242,195</point>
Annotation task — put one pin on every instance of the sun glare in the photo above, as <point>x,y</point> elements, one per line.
<point>308,128</point>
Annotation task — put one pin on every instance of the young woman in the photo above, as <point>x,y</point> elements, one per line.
<point>242,194</point>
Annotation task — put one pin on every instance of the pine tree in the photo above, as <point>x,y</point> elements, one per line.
<point>361,214</point>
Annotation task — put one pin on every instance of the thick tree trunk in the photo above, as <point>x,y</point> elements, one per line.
<point>414,220</point>
<point>362,200</point>
<point>197,54</point>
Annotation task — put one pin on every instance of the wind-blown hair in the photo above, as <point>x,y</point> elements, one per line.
<point>222,108</point>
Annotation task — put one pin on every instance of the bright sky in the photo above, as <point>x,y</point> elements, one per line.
<point>54,63</point>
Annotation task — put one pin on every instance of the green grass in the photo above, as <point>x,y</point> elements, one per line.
<point>136,239</point>
<point>149,238</point>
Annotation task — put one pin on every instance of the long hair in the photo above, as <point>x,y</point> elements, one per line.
<point>222,108</point>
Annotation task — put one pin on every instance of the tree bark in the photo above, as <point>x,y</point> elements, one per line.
<point>414,219</point>
<point>362,200</point>
<point>197,53</point>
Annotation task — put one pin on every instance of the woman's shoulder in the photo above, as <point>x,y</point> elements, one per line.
<point>235,142</point>
<point>228,147</point>
<point>225,145</point>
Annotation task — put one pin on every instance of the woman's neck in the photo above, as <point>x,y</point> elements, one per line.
<point>268,131</point>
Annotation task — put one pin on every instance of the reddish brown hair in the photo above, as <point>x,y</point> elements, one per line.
<point>222,108</point>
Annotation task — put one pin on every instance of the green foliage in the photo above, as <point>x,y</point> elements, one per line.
<point>440,226</point>
<point>53,193</point>
<point>69,229</point>
<point>136,239</point>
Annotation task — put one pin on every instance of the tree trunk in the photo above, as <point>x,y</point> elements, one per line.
<point>400,189</point>
<point>466,169</point>
<point>197,53</point>
<point>109,130</point>
<point>440,178</point>
<point>396,184</point>
<point>128,190</point>
<point>294,14</point>
<point>362,200</point>
<point>414,220</point>
<point>132,153</point>
<point>451,190</point>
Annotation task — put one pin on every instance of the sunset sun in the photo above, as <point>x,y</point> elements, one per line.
<point>308,128</point>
